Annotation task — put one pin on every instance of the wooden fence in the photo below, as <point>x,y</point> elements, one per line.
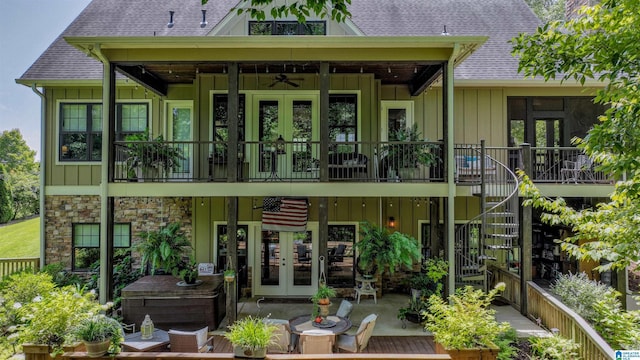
<point>552,313</point>
<point>512,291</point>
<point>196,356</point>
<point>9,266</point>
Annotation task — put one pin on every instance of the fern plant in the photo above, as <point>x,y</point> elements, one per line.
<point>380,248</point>
<point>164,249</point>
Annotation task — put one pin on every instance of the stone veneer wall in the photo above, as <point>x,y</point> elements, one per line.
<point>144,214</point>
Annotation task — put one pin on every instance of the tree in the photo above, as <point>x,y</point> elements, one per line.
<point>15,153</point>
<point>6,203</point>
<point>336,9</point>
<point>602,43</point>
<point>547,10</point>
<point>25,188</point>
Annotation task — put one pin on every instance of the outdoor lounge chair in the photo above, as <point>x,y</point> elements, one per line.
<point>191,341</point>
<point>359,341</point>
<point>317,342</point>
<point>283,336</point>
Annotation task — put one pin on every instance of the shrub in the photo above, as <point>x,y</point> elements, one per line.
<point>465,321</point>
<point>506,341</point>
<point>553,348</point>
<point>621,329</point>
<point>251,333</point>
<point>50,317</point>
<point>577,291</point>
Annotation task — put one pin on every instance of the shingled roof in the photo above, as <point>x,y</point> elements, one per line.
<point>501,20</point>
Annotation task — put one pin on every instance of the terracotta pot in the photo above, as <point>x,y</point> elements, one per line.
<point>324,301</point>
<point>469,354</point>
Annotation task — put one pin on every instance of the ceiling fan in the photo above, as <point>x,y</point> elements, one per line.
<point>282,78</point>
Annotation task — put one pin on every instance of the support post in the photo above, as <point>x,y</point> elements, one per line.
<point>526,232</point>
<point>106,203</point>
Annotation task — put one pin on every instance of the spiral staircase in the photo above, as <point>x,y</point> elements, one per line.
<point>492,237</point>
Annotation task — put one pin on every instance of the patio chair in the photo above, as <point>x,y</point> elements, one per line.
<point>303,258</point>
<point>359,341</point>
<point>345,309</point>
<point>283,336</point>
<point>191,341</point>
<point>317,342</point>
<point>576,170</point>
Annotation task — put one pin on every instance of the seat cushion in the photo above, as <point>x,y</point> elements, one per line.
<point>201,335</point>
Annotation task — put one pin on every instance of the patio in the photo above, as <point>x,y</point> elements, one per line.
<point>387,307</point>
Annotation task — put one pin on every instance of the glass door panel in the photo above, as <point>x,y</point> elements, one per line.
<point>287,263</point>
<point>181,130</point>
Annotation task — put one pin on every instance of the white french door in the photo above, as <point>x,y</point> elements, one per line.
<point>180,128</point>
<point>292,119</point>
<point>285,262</point>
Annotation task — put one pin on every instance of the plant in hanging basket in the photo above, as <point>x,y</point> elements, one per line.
<point>229,275</point>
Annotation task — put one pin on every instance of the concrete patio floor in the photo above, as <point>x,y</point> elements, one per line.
<point>386,308</point>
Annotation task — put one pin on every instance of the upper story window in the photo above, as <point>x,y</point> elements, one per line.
<point>81,128</point>
<point>287,28</point>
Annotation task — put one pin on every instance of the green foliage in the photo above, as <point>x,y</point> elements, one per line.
<point>6,199</point>
<point>416,152</point>
<point>547,10</point>
<point>123,274</point>
<point>251,333</point>
<point>378,247</point>
<point>35,311</point>
<point>506,341</point>
<point>602,45</point>
<point>20,239</point>
<point>578,292</point>
<point>466,320</point>
<point>60,275</point>
<point>163,249</point>
<point>600,305</point>
<point>553,348</point>
<point>301,10</point>
<point>145,152</point>
<point>15,153</point>
<point>100,328</point>
<point>323,292</point>
<point>189,272</point>
<point>25,190</point>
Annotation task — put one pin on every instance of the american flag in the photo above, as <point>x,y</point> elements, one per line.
<point>284,214</point>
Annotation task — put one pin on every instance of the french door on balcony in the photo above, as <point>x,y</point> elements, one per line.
<point>285,124</point>
<point>286,262</point>
<point>179,129</point>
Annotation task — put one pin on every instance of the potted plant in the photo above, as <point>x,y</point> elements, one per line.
<point>465,327</point>
<point>322,300</point>
<point>99,334</point>
<point>188,272</point>
<point>379,249</point>
<point>251,336</point>
<point>163,249</point>
<point>408,158</point>
<point>47,321</point>
<point>145,156</point>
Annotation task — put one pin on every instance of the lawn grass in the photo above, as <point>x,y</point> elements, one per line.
<point>20,239</point>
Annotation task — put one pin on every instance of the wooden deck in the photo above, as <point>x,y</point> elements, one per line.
<point>377,345</point>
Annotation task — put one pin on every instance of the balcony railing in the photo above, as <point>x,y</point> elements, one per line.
<point>358,161</point>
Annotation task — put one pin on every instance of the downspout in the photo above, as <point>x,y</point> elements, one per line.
<point>43,135</point>
<point>451,184</point>
<point>104,176</point>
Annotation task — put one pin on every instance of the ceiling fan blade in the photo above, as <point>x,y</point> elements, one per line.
<point>291,83</point>
<point>273,83</point>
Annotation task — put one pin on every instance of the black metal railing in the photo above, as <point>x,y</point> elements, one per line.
<point>358,161</point>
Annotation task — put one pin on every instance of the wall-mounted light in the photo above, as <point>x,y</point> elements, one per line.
<point>170,23</point>
<point>392,222</point>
